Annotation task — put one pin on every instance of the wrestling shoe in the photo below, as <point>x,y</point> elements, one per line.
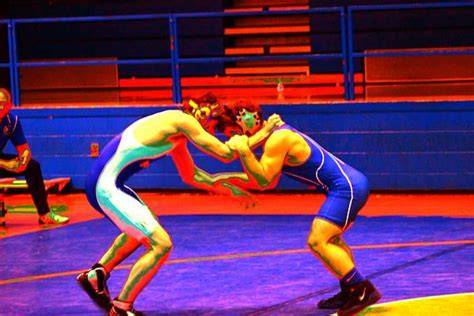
<point>115,311</point>
<point>336,301</point>
<point>361,296</point>
<point>51,218</point>
<point>93,281</point>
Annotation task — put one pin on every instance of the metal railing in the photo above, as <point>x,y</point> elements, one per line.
<point>346,54</point>
<point>350,35</point>
<point>175,59</point>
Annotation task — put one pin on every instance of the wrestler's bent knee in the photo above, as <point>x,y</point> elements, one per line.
<point>160,241</point>
<point>315,240</point>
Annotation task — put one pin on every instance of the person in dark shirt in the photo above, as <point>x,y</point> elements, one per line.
<point>23,164</point>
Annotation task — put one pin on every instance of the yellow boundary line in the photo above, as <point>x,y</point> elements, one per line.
<point>412,300</point>
<point>422,298</point>
<point>243,256</point>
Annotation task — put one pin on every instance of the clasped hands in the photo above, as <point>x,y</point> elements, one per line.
<point>240,143</point>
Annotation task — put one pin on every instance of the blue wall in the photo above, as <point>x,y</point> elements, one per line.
<point>402,145</point>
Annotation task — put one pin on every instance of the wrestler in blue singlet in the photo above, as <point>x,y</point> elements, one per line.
<point>346,188</point>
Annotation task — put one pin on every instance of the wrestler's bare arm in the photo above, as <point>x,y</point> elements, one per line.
<point>264,173</point>
<point>273,121</point>
<point>213,146</point>
<point>197,177</point>
<point>205,141</point>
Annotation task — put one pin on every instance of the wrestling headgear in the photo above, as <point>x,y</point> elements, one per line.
<point>205,109</point>
<point>241,114</point>
<point>5,102</point>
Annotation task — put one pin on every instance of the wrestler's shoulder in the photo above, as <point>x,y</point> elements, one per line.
<point>283,133</point>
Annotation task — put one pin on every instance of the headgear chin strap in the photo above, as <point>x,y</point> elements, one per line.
<point>5,102</point>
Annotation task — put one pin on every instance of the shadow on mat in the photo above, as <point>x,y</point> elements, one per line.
<point>300,311</point>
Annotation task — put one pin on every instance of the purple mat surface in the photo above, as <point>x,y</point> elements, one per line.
<point>283,283</point>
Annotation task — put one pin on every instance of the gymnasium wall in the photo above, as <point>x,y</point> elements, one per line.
<point>398,145</point>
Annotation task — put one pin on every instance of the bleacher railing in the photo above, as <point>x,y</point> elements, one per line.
<point>425,52</point>
<point>346,54</point>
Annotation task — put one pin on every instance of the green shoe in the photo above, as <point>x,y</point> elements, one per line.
<point>52,218</point>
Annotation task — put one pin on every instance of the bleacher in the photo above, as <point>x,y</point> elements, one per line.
<point>12,184</point>
<point>241,37</point>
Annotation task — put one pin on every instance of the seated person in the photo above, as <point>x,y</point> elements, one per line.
<point>23,164</point>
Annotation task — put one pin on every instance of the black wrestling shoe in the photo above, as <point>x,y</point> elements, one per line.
<point>337,301</point>
<point>115,311</point>
<point>96,286</point>
<point>361,296</point>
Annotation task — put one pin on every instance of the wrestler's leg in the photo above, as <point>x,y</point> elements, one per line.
<point>326,243</point>
<point>122,247</point>
<point>94,280</point>
<point>136,220</point>
<point>338,241</point>
<point>159,246</point>
<point>334,256</point>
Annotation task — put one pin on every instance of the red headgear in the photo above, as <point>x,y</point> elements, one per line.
<point>205,109</point>
<point>241,117</point>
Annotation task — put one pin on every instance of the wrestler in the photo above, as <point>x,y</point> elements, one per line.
<point>148,139</point>
<point>291,152</point>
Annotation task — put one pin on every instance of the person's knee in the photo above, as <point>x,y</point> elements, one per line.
<point>166,245</point>
<point>33,165</point>
<point>316,240</point>
<point>322,232</point>
<point>160,242</point>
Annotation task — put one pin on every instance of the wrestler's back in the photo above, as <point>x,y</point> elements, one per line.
<point>159,129</point>
<point>321,168</point>
<point>149,138</point>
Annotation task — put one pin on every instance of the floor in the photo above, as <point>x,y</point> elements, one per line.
<point>244,262</point>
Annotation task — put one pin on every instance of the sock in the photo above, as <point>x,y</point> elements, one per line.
<point>352,278</point>
<point>126,306</point>
<point>101,267</point>
<point>97,265</point>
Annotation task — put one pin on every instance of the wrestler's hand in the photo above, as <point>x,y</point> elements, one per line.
<point>246,200</point>
<point>273,121</point>
<point>239,143</point>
